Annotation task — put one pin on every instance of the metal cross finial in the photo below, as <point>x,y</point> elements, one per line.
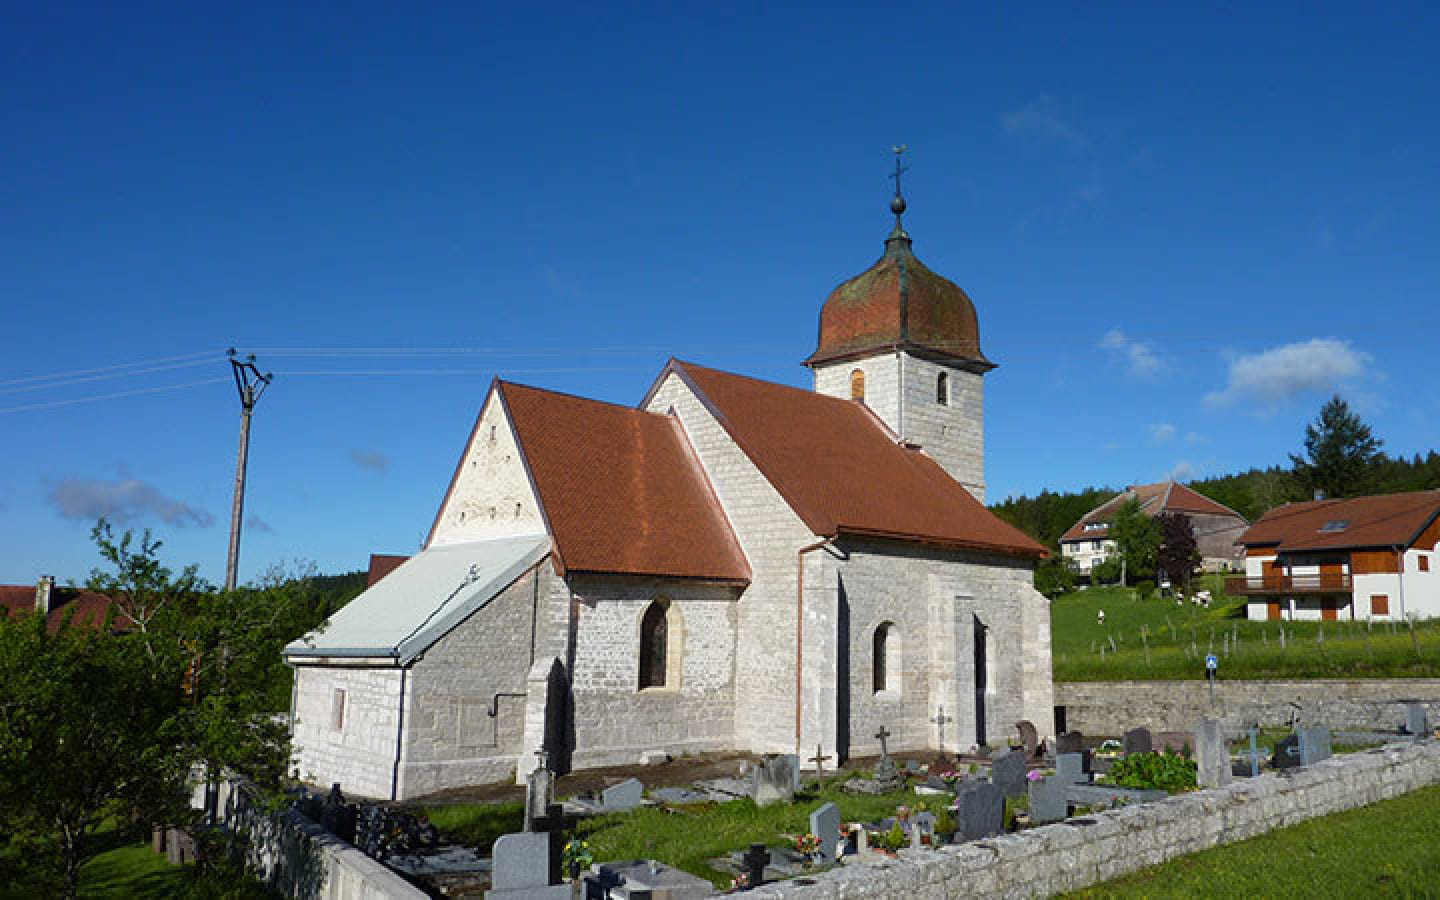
<point>897,203</point>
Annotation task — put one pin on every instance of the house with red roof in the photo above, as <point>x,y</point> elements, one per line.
<point>55,602</point>
<point>1216,526</point>
<point>1352,558</point>
<point>729,565</point>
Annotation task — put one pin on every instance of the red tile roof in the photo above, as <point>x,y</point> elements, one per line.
<point>621,489</point>
<point>89,606</point>
<point>842,471</point>
<point>1386,520</point>
<point>1163,496</point>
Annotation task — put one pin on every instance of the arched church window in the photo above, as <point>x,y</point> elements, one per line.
<point>885,658</point>
<point>942,389</point>
<point>857,385</point>
<point>655,645</point>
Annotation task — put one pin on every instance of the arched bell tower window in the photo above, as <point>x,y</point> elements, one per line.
<point>942,389</point>
<point>857,385</point>
<point>660,646</point>
<point>885,659</point>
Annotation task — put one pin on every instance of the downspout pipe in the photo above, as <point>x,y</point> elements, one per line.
<point>800,628</point>
<point>399,738</point>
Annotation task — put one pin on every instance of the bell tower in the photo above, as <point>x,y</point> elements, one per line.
<point>906,342</point>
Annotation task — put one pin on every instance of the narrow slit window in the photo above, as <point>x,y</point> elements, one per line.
<point>942,389</point>
<point>337,710</point>
<point>857,385</point>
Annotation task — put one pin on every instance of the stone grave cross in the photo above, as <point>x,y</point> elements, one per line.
<point>940,720</point>
<point>883,735</point>
<point>819,760</point>
<point>756,859</point>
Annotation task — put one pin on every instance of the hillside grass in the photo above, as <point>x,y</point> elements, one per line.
<point>1180,636</point>
<point>1388,849</point>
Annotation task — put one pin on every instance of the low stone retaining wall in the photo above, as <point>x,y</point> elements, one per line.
<point>1113,707</point>
<point>1069,856</point>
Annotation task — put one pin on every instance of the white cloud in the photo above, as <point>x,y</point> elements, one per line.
<point>1044,119</point>
<point>1161,432</point>
<point>121,501</point>
<point>1183,470</point>
<point>1268,379</point>
<point>1139,359</point>
<point>370,460</point>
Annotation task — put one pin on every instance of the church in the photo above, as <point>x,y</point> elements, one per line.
<point>730,565</point>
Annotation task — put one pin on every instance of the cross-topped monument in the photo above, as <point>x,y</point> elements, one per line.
<point>940,720</point>
<point>897,205</point>
<point>819,760</point>
<point>883,735</point>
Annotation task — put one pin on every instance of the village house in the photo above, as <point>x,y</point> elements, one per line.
<point>732,565</point>
<point>1216,526</point>
<point>55,602</point>
<point>1355,558</point>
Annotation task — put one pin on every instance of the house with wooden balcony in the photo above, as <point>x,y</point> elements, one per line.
<point>1354,558</point>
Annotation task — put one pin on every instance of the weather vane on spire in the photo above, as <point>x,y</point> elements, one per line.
<point>897,205</point>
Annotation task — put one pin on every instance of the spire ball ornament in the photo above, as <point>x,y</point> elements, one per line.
<point>897,205</point>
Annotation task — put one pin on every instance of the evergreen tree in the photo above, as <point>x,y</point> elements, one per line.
<point>1341,455</point>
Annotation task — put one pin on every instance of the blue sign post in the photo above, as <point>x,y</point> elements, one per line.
<point>1212,662</point>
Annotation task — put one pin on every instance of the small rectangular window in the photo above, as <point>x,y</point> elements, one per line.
<point>1379,604</point>
<point>1424,562</point>
<point>337,709</point>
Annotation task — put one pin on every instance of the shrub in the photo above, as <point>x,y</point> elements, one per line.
<point>1154,771</point>
<point>1107,571</point>
<point>1145,588</point>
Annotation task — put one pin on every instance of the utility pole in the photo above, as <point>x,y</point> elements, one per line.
<point>251,384</point>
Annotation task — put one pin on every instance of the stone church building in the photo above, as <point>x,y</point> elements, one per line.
<point>730,565</point>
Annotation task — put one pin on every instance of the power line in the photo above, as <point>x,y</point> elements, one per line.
<point>112,396</point>
<point>111,368</point>
<point>105,376</point>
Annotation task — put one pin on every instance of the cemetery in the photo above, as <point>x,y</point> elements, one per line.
<point>1033,818</point>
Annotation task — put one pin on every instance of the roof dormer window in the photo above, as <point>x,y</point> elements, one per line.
<point>1335,525</point>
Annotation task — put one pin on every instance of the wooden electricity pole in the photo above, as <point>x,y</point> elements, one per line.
<point>251,384</point>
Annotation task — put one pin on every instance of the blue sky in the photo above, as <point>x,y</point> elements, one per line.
<point>1182,233</point>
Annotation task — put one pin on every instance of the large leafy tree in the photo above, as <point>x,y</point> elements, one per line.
<point>1137,538</point>
<point>1341,454</point>
<point>1179,553</point>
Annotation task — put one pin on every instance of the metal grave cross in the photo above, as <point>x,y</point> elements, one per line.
<point>940,720</point>
<point>756,859</point>
<point>819,760</point>
<point>553,823</point>
<point>882,734</point>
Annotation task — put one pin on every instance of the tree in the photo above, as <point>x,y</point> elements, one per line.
<point>86,733</point>
<point>1054,575</point>
<point>1340,452</point>
<point>1178,554</point>
<point>139,584</point>
<point>1136,538</point>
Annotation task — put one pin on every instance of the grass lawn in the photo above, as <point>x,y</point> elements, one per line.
<point>1390,849</point>
<point>1179,637</point>
<point>685,839</point>
<point>131,870</point>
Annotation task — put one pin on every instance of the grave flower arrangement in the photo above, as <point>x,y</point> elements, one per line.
<point>740,882</point>
<point>807,843</point>
<point>577,856</point>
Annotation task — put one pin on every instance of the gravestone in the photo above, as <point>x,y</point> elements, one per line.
<point>1069,742</point>
<point>1048,801</point>
<point>1212,755</point>
<point>1417,721</point>
<point>1287,753</point>
<point>1108,795</point>
<point>1314,744</point>
<point>825,824</point>
<point>1137,740</point>
<point>679,796</point>
<point>980,811</point>
<point>755,860</point>
<point>628,794</point>
<point>1070,768</point>
<point>520,868</point>
<point>1008,773</point>
<point>539,793</point>
<point>1029,738</point>
<point>773,780</point>
<point>651,879</point>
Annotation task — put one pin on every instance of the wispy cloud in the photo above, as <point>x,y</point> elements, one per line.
<point>255,523</point>
<point>1047,120</point>
<point>1268,379</point>
<point>1139,359</point>
<point>121,501</point>
<point>1161,432</point>
<point>1183,470</point>
<point>370,460</point>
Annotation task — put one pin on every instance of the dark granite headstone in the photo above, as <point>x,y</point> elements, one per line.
<point>980,811</point>
<point>1008,773</point>
<point>1287,753</point>
<point>1137,740</point>
<point>1070,768</point>
<point>1069,742</point>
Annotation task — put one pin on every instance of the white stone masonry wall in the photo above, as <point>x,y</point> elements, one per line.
<point>361,753</point>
